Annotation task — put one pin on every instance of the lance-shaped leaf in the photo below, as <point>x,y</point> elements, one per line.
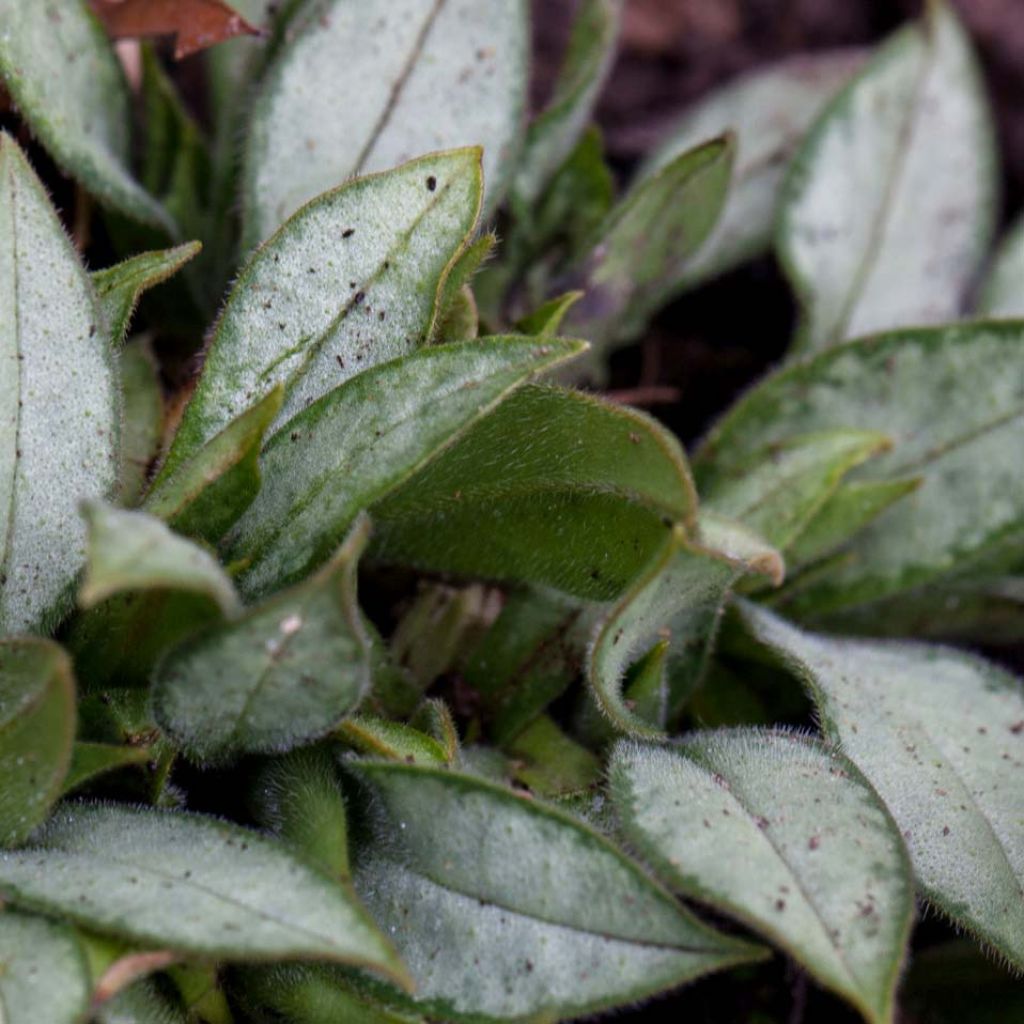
<point>782,488</point>
<point>143,404</point>
<point>133,551</point>
<point>556,130</point>
<point>60,69</point>
<point>59,399</point>
<point>43,972</point>
<point>768,111</point>
<point>566,923</point>
<point>970,502</point>
<point>349,282</point>
<point>507,502</point>
<point>1003,291</point>
<point>940,735</point>
<point>120,287</point>
<point>191,884</point>
<point>389,740</point>
<point>37,731</point>
<point>785,835</point>
<point>889,206</point>
<point>642,250</point>
<point>282,674</point>
<point>208,492</point>
<point>681,592</point>
<point>366,438</point>
<point>362,90</point>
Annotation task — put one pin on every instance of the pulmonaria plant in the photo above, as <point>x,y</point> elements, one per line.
<point>389,672</point>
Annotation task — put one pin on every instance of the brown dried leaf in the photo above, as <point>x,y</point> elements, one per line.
<point>195,24</point>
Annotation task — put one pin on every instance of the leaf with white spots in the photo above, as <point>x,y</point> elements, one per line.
<point>44,976</point>
<point>191,884</point>
<point>60,68</point>
<point>889,207</point>
<point>778,831</point>
<point>351,281</point>
<point>566,923</point>
<point>37,732</point>
<point>363,88</point>
<point>59,402</point>
<point>283,674</point>
<point>940,736</point>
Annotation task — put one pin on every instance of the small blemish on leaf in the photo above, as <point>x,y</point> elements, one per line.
<point>431,183</point>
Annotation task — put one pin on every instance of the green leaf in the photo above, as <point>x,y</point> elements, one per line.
<point>546,319</point>
<point>59,395</point>
<point>349,282</point>
<point>191,884</point>
<point>141,1003</point>
<point>940,735</point>
<point>90,760</point>
<point>363,90</point>
<point>769,111</point>
<point>120,287</point>
<point>132,551</point>
<point>43,973</point>
<point>37,731</point>
<point>207,493</point>
<point>550,762</point>
<point>778,831</point>
<point>1002,295</point>
<point>282,674</point>
<point>143,423</point>
<point>780,490</point>
<point>565,922</point>
<point>367,437</point>
<point>642,250</point>
<point>61,70</point>
<point>505,502</point>
<point>556,130</point>
<point>393,741</point>
<point>970,504</point>
<point>890,204</point>
<point>681,591</point>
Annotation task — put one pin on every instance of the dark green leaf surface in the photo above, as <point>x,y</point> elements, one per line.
<point>143,418</point>
<point>91,760</point>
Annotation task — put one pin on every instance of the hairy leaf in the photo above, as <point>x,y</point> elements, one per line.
<point>970,503</point>
<point>282,674</point>
<point>394,741</point>
<point>191,884</point>
<point>141,430</point>
<point>141,1003</point>
<point>37,732</point>
<point>349,282</point>
<point>61,71</point>
<point>362,89</point>
<point>59,399</point>
<point>91,760</point>
<point>769,112</point>
<point>940,735</point>
<point>889,206</point>
<point>367,437</point>
<point>565,922</point>
<point>783,834</point>
<point>44,976</point>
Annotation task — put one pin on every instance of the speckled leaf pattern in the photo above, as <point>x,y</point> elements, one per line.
<point>889,207</point>
<point>366,438</point>
<point>61,70</point>
<point>970,503</point>
<point>566,923</point>
<point>778,831</point>
<point>191,884</point>
<point>1003,292</point>
<point>133,551</point>
<point>768,111</point>
<point>281,675</point>
<point>680,593</point>
<point>940,735</point>
<point>37,731</point>
<point>350,281</point>
<point>502,502</point>
<point>43,972</point>
<point>364,88</point>
<point>59,403</point>
<point>554,133</point>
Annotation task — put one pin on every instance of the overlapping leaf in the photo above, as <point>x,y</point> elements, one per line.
<point>1003,291</point>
